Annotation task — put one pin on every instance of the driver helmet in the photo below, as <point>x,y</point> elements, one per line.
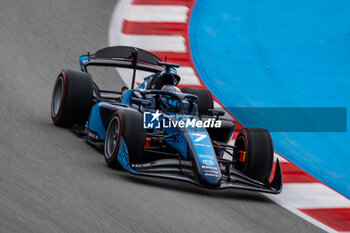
<point>169,104</point>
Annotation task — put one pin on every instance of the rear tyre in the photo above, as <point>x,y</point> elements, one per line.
<point>71,98</point>
<point>205,101</point>
<point>126,124</point>
<point>258,147</point>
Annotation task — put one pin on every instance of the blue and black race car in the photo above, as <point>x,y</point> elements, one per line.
<point>158,130</point>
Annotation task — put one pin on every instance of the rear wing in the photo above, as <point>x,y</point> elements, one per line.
<point>123,57</point>
<point>125,52</point>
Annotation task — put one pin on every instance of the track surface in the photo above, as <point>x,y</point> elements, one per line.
<point>51,181</point>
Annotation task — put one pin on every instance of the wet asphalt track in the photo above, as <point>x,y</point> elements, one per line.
<point>52,181</point>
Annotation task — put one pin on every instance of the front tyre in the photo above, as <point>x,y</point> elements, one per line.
<point>71,98</point>
<point>126,125</point>
<point>255,153</point>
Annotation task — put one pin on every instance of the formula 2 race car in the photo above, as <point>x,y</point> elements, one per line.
<point>158,130</point>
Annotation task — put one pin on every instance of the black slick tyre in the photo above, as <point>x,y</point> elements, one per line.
<point>256,153</point>
<point>125,124</point>
<point>71,98</point>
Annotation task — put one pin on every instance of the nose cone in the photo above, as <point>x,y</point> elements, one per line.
<point>211,178</point>
<point>203,153</point>
<point>205,157</point>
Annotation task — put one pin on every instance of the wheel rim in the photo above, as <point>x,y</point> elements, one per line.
<point>57,97</point>
<point>241,145</point>
<point>112,137</point>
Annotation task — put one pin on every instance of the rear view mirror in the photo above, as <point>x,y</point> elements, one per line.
<point>216,112</point>
<point>141,102</point>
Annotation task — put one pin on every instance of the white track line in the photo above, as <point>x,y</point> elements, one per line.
<point>311,195</point>
<point>117,19</point>
<point>217,105</point>
<point>154,43</point>
<point>280,158</point>
<point>145,13</point>
<point>188,76</point>
<point>302,215</point>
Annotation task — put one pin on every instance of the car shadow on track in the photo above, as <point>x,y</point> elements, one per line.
<point>180,186</point>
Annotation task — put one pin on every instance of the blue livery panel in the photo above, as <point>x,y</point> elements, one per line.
<point>204,155</point>
<point>123,156</point>
<point>96,129</point>
<point>197,140</point>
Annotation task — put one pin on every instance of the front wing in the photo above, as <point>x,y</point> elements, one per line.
<point>231,178</point>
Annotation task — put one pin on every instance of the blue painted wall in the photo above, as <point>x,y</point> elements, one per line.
<point>280,54</point>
